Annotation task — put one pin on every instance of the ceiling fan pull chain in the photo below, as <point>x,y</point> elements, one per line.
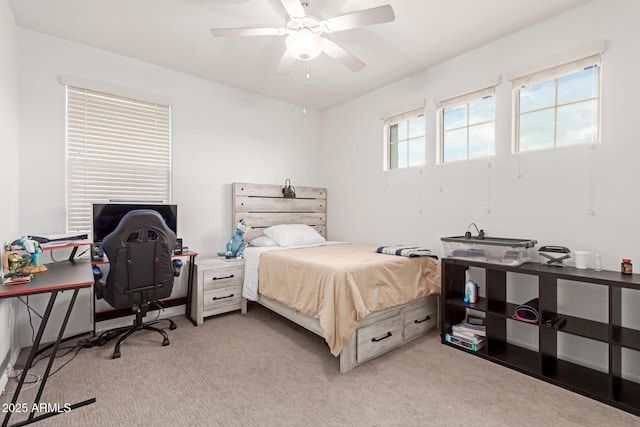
<point>304,88</point>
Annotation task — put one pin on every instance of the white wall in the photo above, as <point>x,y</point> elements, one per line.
<point>544,195</point>
<point>219,135</point>
<point>9,167</point>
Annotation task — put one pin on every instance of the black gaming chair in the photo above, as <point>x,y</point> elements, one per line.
<point>141,272</point>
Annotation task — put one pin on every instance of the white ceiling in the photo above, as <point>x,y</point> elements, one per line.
<point>175,34</point>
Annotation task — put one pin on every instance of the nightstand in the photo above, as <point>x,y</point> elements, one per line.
<point>218,289</point>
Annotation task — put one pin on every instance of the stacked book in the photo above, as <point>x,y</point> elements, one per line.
<point>17,279</point>
<point>467,335</point>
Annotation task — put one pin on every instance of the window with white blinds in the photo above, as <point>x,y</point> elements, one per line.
<point>118,149</point>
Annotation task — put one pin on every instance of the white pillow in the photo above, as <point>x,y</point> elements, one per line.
<point>294,235</point>
<point>263,241</point>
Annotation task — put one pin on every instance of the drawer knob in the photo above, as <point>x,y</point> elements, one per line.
<point>223,277</point>
<point>383,338</point>
<point>217,298</point>
<point>423,320</point>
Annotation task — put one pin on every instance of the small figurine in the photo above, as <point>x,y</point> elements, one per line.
<point>33,248</point>
<point>12,263</point>
<point>236,245</point>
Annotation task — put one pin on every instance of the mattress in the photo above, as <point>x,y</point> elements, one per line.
<point>341,284</point>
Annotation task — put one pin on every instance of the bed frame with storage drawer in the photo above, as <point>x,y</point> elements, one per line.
<point>263,206</point>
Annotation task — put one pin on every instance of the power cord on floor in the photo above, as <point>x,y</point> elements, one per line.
<point>76,348</point>
<point>13,374</point>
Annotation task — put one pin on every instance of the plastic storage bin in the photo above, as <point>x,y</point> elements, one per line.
<point>494,250</point>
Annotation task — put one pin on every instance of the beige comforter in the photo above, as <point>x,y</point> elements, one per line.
<point>341,284</point>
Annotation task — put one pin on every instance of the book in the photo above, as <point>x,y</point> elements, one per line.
<point>472,329</point>
<point>18,279</point>
<point>457,332</point>
<point>464,343</point>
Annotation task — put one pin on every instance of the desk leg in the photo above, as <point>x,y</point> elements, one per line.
<point>192,271</point>
<point>32,355</point>
<point>73,253</point>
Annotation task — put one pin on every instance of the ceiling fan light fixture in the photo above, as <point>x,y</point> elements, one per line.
<point>304,44</point>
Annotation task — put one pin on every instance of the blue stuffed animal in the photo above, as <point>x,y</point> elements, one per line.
<point>236,245</point>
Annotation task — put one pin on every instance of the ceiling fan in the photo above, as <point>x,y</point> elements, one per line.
<point>304,33</point>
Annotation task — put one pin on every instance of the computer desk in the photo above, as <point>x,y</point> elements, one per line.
<point>74,245</point>
<point>168,302</point>
<point>62,276</point>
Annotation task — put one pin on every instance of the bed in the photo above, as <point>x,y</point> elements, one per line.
<point>362,303</point>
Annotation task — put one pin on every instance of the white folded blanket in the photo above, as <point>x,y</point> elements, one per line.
<point>401,250</point>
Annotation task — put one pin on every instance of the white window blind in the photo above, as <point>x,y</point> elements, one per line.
<point>118,148</point>
<point>464,99</point>
<point>554,72</point>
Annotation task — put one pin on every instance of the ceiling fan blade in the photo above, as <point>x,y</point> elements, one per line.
<point>341,55</point>
<point>375,15</point>
<point>233,32</point>
<point>294,8</point>
<point>285,63</point>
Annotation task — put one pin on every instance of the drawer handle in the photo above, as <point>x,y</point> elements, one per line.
<point>383,338</point>
<point>223,277</point>
<point>423,320</point>
<point>228,296</point>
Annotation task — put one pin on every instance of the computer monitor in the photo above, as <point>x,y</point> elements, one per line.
<point>107,216</point>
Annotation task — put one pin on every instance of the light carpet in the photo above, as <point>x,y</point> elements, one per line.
<point>259,369</point>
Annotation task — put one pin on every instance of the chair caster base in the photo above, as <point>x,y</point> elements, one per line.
<point>173,326</point>
<point>165,342</point>
<point>116,355</point>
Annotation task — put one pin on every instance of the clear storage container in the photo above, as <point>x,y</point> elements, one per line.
<point>494,250</point>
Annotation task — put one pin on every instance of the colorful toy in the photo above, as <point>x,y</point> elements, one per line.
<point>32,247</point>
<point>34,250</point>
<point>236,245</point>
<point>12,263</point>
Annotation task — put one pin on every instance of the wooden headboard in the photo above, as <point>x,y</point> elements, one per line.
<point>263,205</point>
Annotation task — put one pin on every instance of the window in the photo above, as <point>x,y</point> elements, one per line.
<point>558,106</point>
<point>405,140</point>
<point>467,126</point>
<point>118,148</point>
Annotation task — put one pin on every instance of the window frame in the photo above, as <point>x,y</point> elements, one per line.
<point>390,121</point>
<point>121,122</point>
<point>554,74</point>
<point>457,101</point>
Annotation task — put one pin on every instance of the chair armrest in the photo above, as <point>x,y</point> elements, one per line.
<point>98,286</point>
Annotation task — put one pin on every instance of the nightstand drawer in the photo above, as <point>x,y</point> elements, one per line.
<point>222,297</point>
<point>221,277</point>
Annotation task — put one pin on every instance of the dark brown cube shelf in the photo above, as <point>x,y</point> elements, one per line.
<point>608,387</point>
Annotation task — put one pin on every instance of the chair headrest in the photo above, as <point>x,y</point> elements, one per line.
<point>138,220</point>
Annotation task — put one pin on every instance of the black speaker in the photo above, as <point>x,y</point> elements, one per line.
<point>96,252</point>
<point>178,248</point>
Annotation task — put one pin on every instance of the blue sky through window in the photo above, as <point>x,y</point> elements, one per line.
<point>469,130</point>
<point>560,112</point>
